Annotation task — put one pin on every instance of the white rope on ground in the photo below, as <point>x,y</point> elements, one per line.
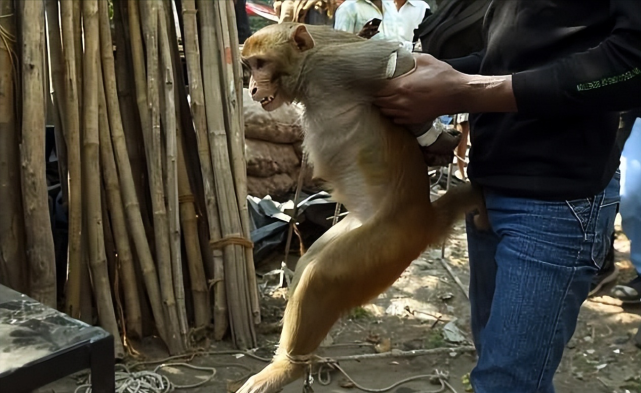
<point>148,381</point>
<point>154,382</point>
<point>327,364</point>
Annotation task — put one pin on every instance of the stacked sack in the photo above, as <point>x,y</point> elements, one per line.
<point>273,149</point>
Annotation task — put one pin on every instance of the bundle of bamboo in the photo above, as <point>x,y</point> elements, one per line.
<point>148,227</point>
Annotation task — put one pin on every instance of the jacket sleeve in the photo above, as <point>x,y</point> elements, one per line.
<point>604,78</point>
<point>470,64</point>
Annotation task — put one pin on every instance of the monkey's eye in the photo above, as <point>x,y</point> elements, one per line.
<point>260,63</point>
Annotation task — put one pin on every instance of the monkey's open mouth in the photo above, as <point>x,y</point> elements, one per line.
<point>267,100</point>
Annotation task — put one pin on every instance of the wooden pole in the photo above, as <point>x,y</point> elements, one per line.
<point>236,139</point>
<point>72,127</point>
<point>197,95</point>
<point>38,236</point>
<point>128,190</point>
<point>242,327</point>
<point>56,65</point>
<point>188,219</point>
<point>169,112</point>
<point>13,272</point>
<point>95,232</point>
<point>114,202</point>
<point>154,164</point>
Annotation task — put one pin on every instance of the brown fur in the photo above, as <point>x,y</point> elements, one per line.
<point>375,168</point>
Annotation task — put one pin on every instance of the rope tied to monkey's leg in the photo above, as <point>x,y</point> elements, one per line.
<point>327,364</point>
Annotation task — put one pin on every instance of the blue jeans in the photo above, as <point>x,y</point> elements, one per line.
<point>630,208</point>
<point>529,276</point>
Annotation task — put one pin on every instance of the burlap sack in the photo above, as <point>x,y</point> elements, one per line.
<point>276,185</point>
<point>267,159</point>
<point>279,126</point>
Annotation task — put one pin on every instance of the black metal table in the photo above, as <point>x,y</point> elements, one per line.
<point>39,345</point>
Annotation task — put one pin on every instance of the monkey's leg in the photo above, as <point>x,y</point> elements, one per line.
<point>458,201</point>
<point>345,225</point>
<point>351,270</point>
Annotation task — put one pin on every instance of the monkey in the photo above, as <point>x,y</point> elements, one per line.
<point>373,167</point>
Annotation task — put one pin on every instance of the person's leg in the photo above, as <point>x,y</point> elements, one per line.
<point>242,21</point>
<point>546,256</point>
<point>608,272</point>
<point>631,210</point>
<point>461,149</point>
<point>481,247</point>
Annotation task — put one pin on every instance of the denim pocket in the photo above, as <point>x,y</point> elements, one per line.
<point>582,210</point>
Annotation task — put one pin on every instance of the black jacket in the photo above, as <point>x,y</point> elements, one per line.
<point>575,65</point>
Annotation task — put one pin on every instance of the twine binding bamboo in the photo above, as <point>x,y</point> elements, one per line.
<point>232,239</point>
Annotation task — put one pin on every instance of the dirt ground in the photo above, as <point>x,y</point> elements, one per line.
<point>413,314</point>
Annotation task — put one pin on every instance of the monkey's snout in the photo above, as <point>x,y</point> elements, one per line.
<point>254,91</point>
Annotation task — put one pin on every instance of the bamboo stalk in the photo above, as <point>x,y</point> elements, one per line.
<point>173,211</point>
<point>154,164</point>
<point>236,138</point>
<point>188,219</point>
<point>129,110</point>
<point>127,187</point>
<point>192,56</point>
<point>114,202</point>
<point>72,127</point>
<point>95,231</point>
<point>38,236</point>
<point>13,273</point>
<point>242,327</point>
<point>77,43</point>
<point>56,65</point>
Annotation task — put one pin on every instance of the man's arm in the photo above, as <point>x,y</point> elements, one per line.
<point>470,64</point>
<point>604,78</point>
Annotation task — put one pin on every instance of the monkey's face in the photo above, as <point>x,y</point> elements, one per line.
<point>273,56</point>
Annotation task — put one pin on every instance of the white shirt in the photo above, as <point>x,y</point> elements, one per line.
<point>397,25</point>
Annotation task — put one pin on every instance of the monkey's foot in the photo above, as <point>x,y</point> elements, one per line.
<point>273,378</point>
<point>441,152</point>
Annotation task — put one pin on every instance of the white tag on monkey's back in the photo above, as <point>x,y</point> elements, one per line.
<point>391,65</point>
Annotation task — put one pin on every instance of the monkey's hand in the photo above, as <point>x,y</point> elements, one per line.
<point>441,152</point>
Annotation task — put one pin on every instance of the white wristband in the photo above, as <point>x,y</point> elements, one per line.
<point>430,136</point>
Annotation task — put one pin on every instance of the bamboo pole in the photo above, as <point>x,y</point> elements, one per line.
<point>188,219</point>
<point>130,117</point>
<point>13,272</point>
<point>236,138</point>
<point>72,126</point>
<point>192,57</point>
<point>154,164</point>
<point>127,187</point>
<point>76,6</point>
<point>233,243</point>
<point>173,211</point>
<point>117,214</point>
<point>95,231</point>
<point>38,236</point>
<point>56,66</point>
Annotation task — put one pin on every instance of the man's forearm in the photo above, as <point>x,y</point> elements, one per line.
<point>481,93</point>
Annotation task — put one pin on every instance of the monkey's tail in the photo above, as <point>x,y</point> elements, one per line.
<point>454,204</point>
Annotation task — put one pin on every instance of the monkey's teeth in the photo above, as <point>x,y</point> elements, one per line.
<point>267,100</point>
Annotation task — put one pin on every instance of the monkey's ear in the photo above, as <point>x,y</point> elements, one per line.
<point>301,39</point>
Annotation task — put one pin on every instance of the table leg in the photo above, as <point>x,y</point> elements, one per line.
<point>102,366</point>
